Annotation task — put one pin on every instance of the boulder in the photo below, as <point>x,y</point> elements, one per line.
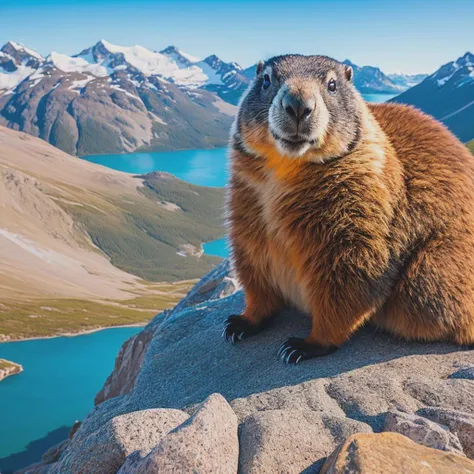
<point>105,450</point>
<point>392,453</point>
<point>206,443</point>
<point>289,441</point>
<point>423,431</point>
<point>458,422</point>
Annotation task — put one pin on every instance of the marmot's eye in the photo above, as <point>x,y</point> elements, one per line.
<point>266,81</point>
<point>332,86</point>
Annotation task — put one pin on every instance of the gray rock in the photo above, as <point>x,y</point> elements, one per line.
<point>54,453</point>
<point>289,441</point>
<point>423,431</point>
<point>206,443</point>
<point>105,450</point>
<point>132,463</point>
<point>458,422</point>
<point>373,373</point>
<point>127,366</point>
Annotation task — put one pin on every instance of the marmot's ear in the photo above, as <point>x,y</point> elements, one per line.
<point>349,73</point>
<point>260,67</point>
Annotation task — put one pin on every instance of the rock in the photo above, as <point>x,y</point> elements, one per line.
<point>53,454</point>
<point>392,453</point>
<point>423,431</point>
<point>206,443</point>
<point>127,366</point>
<point>458,422</point>
<point>373,373</point>
<point>132,463</point>
<point>464,373</point>
<point>228,286</point>
<point>289,441</point>
<point>105,450</point>
<point>75,427</point>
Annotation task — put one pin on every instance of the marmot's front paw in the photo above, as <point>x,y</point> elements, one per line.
<point>296,349</point>
<point>237,328</point>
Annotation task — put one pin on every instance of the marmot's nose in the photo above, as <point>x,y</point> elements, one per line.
<point>297,107</point>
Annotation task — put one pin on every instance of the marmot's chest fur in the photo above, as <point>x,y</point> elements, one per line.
<point>304,209</point>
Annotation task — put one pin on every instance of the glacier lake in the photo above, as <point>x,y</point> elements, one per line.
<point>60,379</point>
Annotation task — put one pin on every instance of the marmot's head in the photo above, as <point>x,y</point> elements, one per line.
<point>300,106</point>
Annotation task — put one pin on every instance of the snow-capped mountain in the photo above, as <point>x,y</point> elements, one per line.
<point>225,79</point>
<point>16,63</point>
<point>448,95</point>
<point>370,80</point>
<point>110,98</point>
<point>407,80</point>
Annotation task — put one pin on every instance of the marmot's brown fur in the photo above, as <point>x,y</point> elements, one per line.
<point>349,211</point>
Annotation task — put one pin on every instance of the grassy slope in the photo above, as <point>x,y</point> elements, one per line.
<point>141,237</point>
<point>55,316</point>
<point>5,364</point>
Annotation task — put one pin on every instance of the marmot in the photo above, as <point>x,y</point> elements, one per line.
<point>347,210</point>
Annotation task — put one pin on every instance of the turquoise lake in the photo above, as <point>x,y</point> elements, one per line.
<point>62,375</point>
<point>60,380</point>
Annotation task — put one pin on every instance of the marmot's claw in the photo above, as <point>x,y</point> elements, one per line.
<point>238,328</point>
<point>295,349</point>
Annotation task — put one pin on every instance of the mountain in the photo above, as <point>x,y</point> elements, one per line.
<point>407,80</point>
<point>111,99</point>
<point>76,235</point>
<point>448,95</point>
<point>371,80</point>
<point>225,79</point>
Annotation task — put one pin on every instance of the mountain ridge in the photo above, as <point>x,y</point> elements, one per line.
<point>447,95</point>
<point>108,99</point>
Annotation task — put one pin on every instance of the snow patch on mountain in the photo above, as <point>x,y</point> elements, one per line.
<point>10,80</point>
<point>70,64</point>
<point>459,72</point>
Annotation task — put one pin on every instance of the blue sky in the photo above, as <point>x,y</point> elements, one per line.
<point>408,36</point>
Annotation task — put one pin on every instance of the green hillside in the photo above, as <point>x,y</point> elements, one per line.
<point>144,238</point>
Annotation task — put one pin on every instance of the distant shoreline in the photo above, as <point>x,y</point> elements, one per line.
<point>76,334</point>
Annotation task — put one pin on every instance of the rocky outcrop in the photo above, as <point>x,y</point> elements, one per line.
<point>291,440</point>
<point>458,422</point>
<point>106,449</point>
<point>423,431</point>
<point>127,366</point>
<point>8,368</point>
<point>391,453</point>
<point>206,443</point>
<point>290,418</point>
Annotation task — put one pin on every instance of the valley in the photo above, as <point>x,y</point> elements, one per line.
<point>85,247</point>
